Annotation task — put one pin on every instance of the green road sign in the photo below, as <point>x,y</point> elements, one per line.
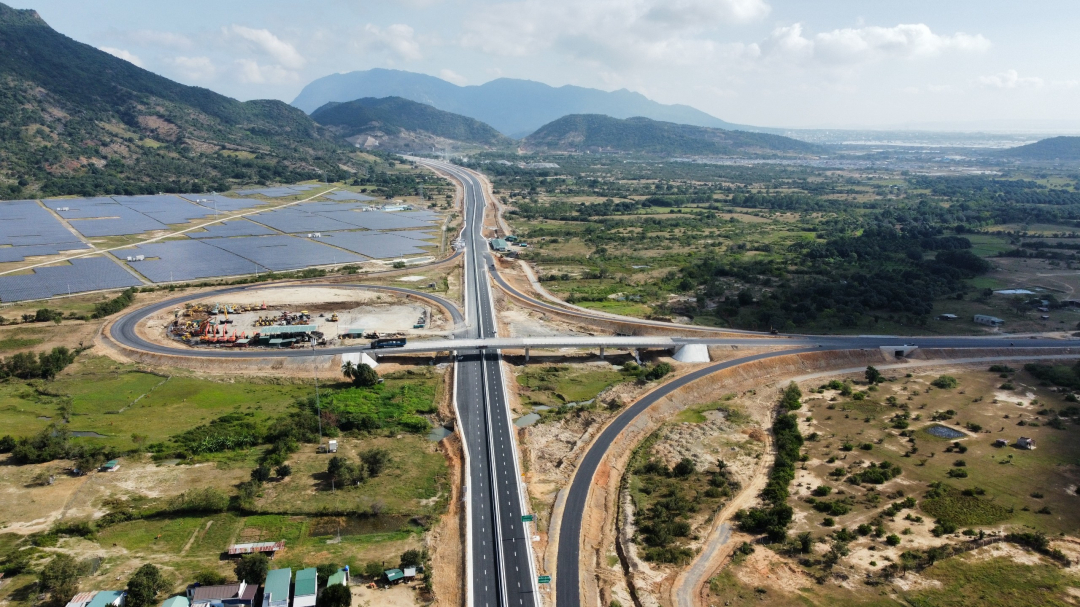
<point>527,518</point>
<point>544,579</point>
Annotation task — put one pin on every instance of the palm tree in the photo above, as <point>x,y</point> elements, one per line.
<point>348,369</point>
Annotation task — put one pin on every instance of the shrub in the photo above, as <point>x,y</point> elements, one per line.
<point>957,473</point>
<point>199,500</point>
<point>822,490</point>
<point>210,578</point>
<point>873,375</point>
<point>791,397</point>
<point>945,382</point>
<point>684,468</point>
<point>114,305</point>
<point>657,372</point>
<point>892,539</point>
<point>283,470</point>
<point>336,596</point>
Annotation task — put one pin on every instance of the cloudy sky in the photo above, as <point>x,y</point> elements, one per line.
<point>791,63</point>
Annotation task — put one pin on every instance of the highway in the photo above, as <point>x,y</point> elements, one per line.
<point>500,555</point>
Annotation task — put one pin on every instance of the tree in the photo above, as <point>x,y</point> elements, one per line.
<point>375,460</point>
<point>790,399</point>
<point>252,568</point>
<point>144,586</point>
<point>336,596</point>
<point>945,382</point>
<point>373,569</point>
<point>873,375</point>
<point>283,470</point>
<point>326,570</point>
<point>343,472</point>
<point>364,376</point>
<point>685,467</point>
<point>60,578</point>
<point>209,578</point>
<point>411,558</point>
<point>261,474</point>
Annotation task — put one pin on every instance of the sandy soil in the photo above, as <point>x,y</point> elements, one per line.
<point>401,595</point>
<point>27,509</point>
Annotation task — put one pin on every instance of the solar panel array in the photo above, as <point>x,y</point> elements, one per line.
<point>284,252</point>
<point>31,230</point>
<point>330,216</point>
<point>294,219</point>
<point>86,274</point>
<point>347,195</point>
<point>377,245</point>
<point>223,204</point>
<point>186,260</point>
<point>236,227</point>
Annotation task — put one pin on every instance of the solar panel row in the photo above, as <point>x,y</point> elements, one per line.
<point>8,254</point>
<point>86,274</point>
<point>26,223</point>
<point>347,195</point>
<point>186,260</point>
<point>237,227</point>
<point>280,253</point>
<point>377,245</point>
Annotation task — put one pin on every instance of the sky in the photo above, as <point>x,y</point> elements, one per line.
<point>886,64</point>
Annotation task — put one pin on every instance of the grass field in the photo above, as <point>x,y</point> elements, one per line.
<point>554,385</point>
<point>117,400</point>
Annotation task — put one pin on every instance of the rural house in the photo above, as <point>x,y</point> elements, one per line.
<point>108,598</point>
<point>240,594</point>
<point>176,601</point>
<point>307,583</point>
<point>1025,443</point>
<point>276,589</point>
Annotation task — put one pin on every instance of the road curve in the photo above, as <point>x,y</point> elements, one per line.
<point>122,331</point>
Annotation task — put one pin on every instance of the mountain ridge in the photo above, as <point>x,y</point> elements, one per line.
<point>76,120</point>
<point>1052,148</point>
<point>404,125</point>
<point>513,107</point>
<point>596,132</point>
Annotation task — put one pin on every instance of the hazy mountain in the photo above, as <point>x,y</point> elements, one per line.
<point>395,123</point>
<point>1054,148</point>
<point>514,107</point>
<point>77,120</point>
<point>593,132</point>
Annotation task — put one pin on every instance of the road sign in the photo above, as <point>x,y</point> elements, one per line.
<point>527,518</point>
<point>544,579</point>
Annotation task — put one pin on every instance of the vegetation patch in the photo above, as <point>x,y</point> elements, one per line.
<point>949,504</point>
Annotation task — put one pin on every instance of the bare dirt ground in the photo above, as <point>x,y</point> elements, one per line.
<point>29,509</point>
<point>400,595</point>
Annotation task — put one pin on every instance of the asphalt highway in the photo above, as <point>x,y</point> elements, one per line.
<point>501,559</point>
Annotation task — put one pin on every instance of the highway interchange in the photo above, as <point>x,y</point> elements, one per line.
<point>500,565</point>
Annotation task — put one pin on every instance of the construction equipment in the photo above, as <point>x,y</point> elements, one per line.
<point>333,317</point>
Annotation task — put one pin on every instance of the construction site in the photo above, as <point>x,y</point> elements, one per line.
<point>296,317</point>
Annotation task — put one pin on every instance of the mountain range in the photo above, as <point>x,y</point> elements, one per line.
<point>514,107</point>
<point>598,133</point>
<point>76,120</point>
<point>1054,148</point>
<point>403,125</point>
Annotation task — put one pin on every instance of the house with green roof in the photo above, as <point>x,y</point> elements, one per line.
<point>341,577</point>
<point>276,589</point>
<point>176,601</point>
<point>306,587</point>
<point>108,598</point>
<point>394,575</point>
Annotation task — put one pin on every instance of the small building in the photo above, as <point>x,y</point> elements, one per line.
<point>108,598</point>
<point>331,447</point>
<point>409,573</point>
<point>276,589</point>
<point>1025,443</point>
<point>353,333</point>
<point>110,466</point>
<point>990,321</point>
<point>82,599</point>
<point>176,601</point>
<point>240,594</point>
<point>307,585</point>
<point>394,575</point>
<point>341,577</point>
<point>270,548</point>
<point>499,245</point>
<point>947,317</point>
<point>1001,443</point>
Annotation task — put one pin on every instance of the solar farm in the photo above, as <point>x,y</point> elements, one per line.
<point>58,246</point>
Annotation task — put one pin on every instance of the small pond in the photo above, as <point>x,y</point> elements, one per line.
<point>438,433</point>
<point>527,420</point>
<point>87,433</point>
<point>945,432</point>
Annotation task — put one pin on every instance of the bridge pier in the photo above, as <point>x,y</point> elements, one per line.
<point>637,355</point>
<point>601,352</point>
<point>526,355</point>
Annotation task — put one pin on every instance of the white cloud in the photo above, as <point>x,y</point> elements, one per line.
<point>263,40</point>
<point>195,68</point>
<point>159,39</point>
<point>398,39</point>
<point>614,32</point>
<point>1010,79</point>
<point>452,76</point>
<point>122,54</point>
<point>850,46</point>
<point>250,72</point>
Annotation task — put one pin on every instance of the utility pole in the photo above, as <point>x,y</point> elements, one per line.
<point>315,368</point>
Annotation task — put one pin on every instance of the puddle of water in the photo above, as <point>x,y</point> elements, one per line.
<point>44,417</point>
<point>438,433</point>
<point>541,408</point>
<point>945,432</point>
<point>168,462</point>
<point>87,433</point>
<point>527,420</point>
